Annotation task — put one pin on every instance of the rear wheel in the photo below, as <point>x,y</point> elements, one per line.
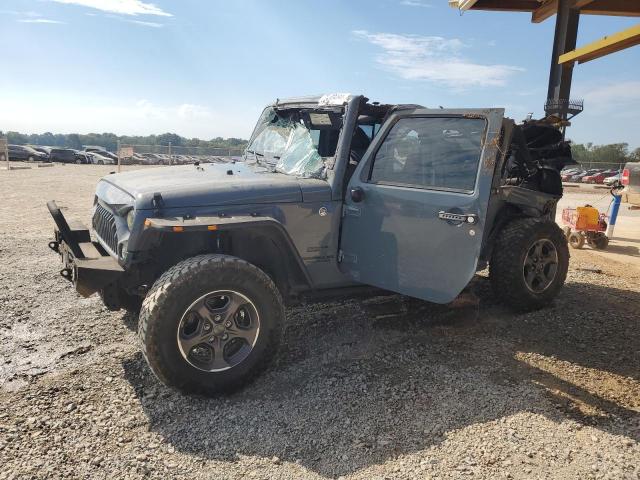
<point>210,324</point>
<point>529,263</point>
<point>600,241</point>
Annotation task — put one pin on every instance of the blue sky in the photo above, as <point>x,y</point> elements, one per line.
<point>206,68</point>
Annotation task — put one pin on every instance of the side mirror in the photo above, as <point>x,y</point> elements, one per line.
<point>357,194</point>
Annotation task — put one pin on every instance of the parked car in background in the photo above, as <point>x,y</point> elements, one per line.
<point>567,176</point>
<point>43,150</point>
<point>578,177</point>
<point>102,152</point>
<point>25,153</point>
<point>598,177</point>
<point>83,158</point>
<point>567,173</point>
<point>630,178</point>
<point>613,180</point>
<point>99,159</point>
<point>62,155</point>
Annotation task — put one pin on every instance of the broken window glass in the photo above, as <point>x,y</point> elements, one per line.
<point>300,156</point>
<point>284,144</point>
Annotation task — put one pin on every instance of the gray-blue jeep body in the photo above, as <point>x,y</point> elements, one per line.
<point>335,196</point>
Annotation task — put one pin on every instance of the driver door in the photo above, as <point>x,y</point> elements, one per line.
<point>415,208</point>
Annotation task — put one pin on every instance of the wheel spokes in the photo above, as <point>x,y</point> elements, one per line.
<point>190,336</point>
<point>540,265</point>
<point>218,331</point>
<point>247,334</point>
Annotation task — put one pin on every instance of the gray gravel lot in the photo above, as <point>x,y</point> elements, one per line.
<point>467,390</point>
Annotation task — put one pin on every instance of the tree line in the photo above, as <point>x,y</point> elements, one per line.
<point>613,155</point>
<point>110,140</point>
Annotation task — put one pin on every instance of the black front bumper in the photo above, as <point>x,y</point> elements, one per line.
<point>86,263</point>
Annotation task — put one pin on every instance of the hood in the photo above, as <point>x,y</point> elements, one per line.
<point>207,184</point>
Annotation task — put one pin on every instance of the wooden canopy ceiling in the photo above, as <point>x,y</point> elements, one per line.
<point>543,9</point>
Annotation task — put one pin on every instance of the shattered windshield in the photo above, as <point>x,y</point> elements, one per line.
<point>289,142</point>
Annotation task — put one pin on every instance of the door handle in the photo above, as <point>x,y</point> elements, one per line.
<point>458,218</point>
<point>357,194</point>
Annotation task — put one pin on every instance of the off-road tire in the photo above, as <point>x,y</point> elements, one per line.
<point>507,263</point>
<point>172,294</point>
<point>576,240</point>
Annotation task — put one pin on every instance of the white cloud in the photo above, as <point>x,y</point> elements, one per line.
<point>434,59</point>
<point>24,14</point>
<point>124,7</point>
<point>191,111</point>
<point>610,112</point>
<point>415,3</point>
<point>72,113</point>
<point>612,96</point>
<point>40,20</point>
<point>147,24</point>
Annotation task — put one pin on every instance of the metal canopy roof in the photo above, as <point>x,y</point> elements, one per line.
<point>543,9</point>
<point>565,53</point>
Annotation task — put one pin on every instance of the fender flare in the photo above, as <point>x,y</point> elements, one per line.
<point>265,226</point>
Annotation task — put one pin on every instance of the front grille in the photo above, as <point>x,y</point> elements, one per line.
<point>104,224</point>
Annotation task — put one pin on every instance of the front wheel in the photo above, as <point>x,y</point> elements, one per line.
<point>576,240</point>
<point>210,324</point>
<point>529,263</point>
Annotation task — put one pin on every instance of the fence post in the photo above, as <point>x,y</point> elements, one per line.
<point>170,158</point>
<point>119,162</point>
<point>5,150</point>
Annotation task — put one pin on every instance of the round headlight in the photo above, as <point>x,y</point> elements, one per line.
<point>131,216</point>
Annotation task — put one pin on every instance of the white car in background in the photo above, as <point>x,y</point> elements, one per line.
<point>613,180</point>
<point>98,159</point>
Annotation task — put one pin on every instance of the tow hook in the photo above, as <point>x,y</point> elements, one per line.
<point>55,246</point>
<point>67,274</point>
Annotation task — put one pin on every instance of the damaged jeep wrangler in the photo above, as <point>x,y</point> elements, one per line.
<point>335,196</point>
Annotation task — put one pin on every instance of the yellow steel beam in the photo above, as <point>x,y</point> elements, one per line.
<point>611,44</point>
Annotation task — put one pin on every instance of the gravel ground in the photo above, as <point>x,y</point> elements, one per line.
<point>467,390</point>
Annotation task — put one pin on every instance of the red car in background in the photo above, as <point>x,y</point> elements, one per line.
<point>598,177</point>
